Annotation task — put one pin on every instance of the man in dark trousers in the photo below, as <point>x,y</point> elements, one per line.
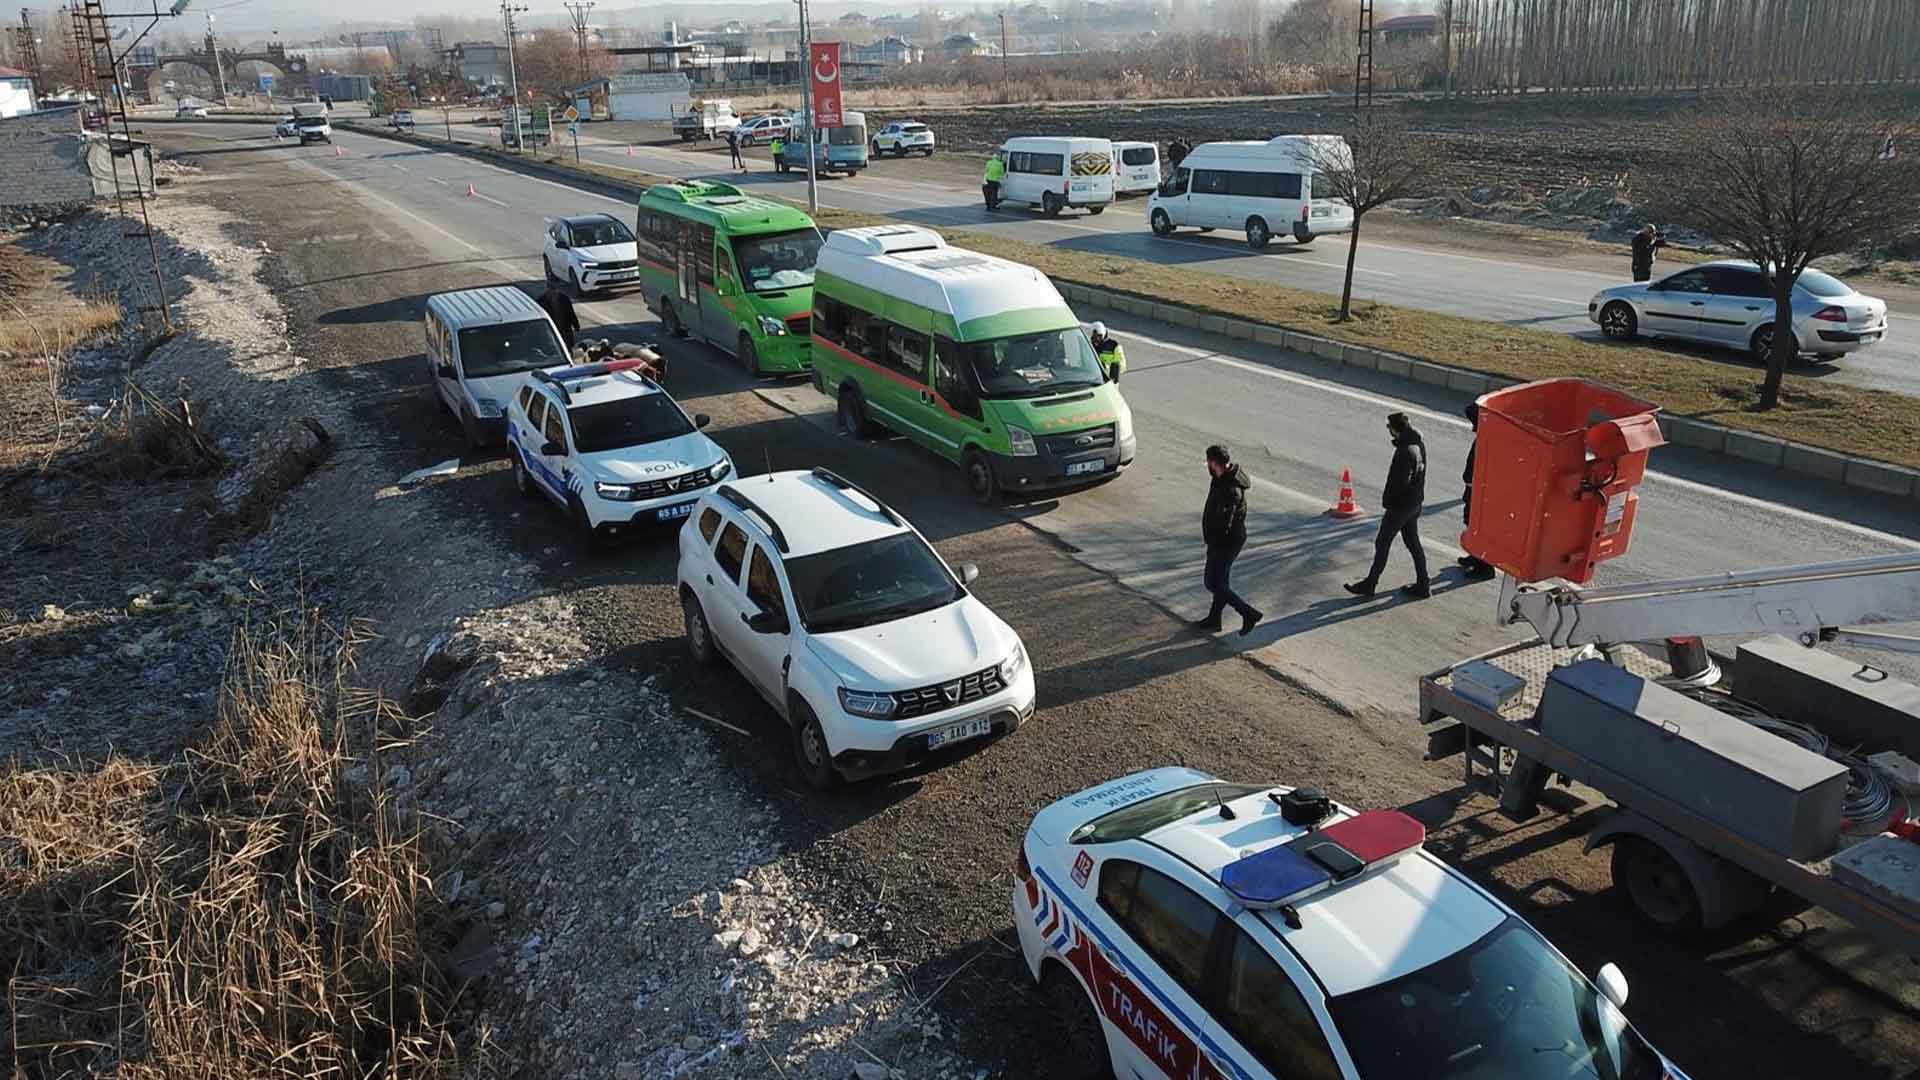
<point>1400,504</point>
<point>1223,524</point>
<point>1476,570</point>
<point>733,149</point>
<point>1645,242</point>
<point>560,308</point>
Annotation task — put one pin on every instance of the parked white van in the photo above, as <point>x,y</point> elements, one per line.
<point>1261,187</point>
<point>1136,167</point>
<point>481,343</point>
<point>1053,173</point>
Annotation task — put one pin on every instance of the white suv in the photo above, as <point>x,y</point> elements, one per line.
<point>848,622</point>
<point>903,137</point>
<point>591,253</point>
<point>611,447</point>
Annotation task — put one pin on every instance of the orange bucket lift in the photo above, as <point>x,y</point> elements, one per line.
<point>1553,477</point>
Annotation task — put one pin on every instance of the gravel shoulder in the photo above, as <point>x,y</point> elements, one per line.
<point>654,894</point>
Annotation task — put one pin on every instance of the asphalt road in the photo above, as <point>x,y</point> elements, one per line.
<point>1499,286</point>
<point>1097,583</point>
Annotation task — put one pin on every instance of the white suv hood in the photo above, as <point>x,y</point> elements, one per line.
<point>608,252</point>
<point>955,640</point>
<point>654,461</point>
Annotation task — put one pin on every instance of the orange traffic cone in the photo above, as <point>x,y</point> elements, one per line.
<point>1346,507</point>
<point>470,192</point>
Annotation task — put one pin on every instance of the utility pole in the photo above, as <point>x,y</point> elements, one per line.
<point>1363,59</point>
<point>578,9</point>
<point>213,52</point>
<point>1003,51</point>
<point>507,11</point>
<point>806,100</point>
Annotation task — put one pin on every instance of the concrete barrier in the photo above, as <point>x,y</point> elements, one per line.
<point>1466,382</point>
<point>1813,461</point>
<point>1423,372</point>
<point>1176,316</point>
<point>1271,335</point>
<point>1874,476</point>
<point>1761,449</point>
<point>1694,434</point>
<point>1213,324</point>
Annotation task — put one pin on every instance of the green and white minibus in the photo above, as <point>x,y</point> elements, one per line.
<point>730,269</point>
<point>974,357</point>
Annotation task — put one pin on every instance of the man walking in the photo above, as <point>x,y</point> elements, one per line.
<point>1476,569</point>
<point>1400,503</point>
<point>990,183</point>
<point>1644,244</point>
<point>1223,524</point>
<point>733,149</point>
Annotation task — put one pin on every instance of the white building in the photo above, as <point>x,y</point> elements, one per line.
<point>648,95</point>
<point>16,92</point>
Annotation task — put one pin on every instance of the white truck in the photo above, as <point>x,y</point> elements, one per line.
<point>709,118</point>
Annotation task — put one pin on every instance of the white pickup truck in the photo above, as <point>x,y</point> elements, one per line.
<point>705,119</point>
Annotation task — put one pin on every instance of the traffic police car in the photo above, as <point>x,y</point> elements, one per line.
<point>1184,927</point>
<point>611,447</point>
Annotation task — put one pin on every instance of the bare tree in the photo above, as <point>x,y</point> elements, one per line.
<point>1784,176</point>
<point>1380,161</point>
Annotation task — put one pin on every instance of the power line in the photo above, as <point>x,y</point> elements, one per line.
<point>579,10</point>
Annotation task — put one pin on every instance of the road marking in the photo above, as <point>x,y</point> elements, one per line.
<point>716,721</point>
<point>399,166</point>
<point>1750,501</point>
<point>437,180</point>
<point>1581,304</point>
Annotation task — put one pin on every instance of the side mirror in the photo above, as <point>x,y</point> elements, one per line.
<point>701,420</point>
<point>766,622</point>
<point>969,573</point>
<point>562,245</point>
<point>1613,984</point>
<point>553,449</point>
<point>445,370</point>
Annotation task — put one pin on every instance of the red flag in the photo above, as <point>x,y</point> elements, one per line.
<point>826,84</point>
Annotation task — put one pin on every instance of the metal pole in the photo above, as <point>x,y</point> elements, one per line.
<point>806,98</point>
<point>579,9</point>
<point>1003,50</point>
<point>507,11</point>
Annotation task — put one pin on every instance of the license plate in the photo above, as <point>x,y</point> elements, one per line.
<point>1868,339</point>
<point>966,729</point>
<point>670,513</point>
<point>1081,468</point>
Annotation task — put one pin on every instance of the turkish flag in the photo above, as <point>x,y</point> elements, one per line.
<point>825,73</point>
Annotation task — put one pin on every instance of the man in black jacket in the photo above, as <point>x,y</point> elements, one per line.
<point>1400,504</point>
<point>1645,243</point>
<point>1476,570</point>
<point>1223,524</point>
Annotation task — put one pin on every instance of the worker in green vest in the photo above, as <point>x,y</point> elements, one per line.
<point>1113,359</point>
<point>777,146</point>
<point>990,184</point>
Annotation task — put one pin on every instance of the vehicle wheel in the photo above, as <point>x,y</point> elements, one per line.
<point>1618,321</point>
<point>876,149</point>
<point>1079,1046</point>
<point>548,269</point>
<point>853,415</point>
<point>589,536</point>
<point>981,482</point>
<point>1050,204</point>
<point>810,751</point>
<point>522,480</point>
<point>699,634</point>
<point>1660,890</point>
<point>748,356</point>
<point>1257,234</point>
<point>670,320</point>
<point>1162,224</point>
<point>1762,345</point>
<point>928,152</point>
<point>1094,211</point>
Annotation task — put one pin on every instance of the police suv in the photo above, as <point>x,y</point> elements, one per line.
<point>611,447</point>
<point>1184,927</point>
<point>843,617</point>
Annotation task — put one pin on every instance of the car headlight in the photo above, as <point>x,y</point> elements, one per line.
<point>586,265</point>
<point>772,326</point>
<point>1014,664</point>
<point>866,703</point>
<point>616,492</point>
<point>720,471</point>
<point>1022,441</point>
<point>488,408</point>
<point>1123,423</point>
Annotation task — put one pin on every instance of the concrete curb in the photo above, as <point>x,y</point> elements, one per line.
<point>1828,466</point>
<point>1864,474</point>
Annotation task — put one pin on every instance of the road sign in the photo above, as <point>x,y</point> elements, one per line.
<point>570,114</point>
<point>266,84</point>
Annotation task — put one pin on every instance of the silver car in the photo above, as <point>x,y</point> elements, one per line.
<point>1731,304</point>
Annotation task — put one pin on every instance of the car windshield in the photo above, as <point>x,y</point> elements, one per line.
<point>1033,365</point>
<point>634,421</point>
<point>1505,1007</point>
<point>875,582</point>
<point>1139,819</point>
<point>782,260</point>
<point>596,233</point>
<point>1823,284</point>
<point>847,136</point>
<point>506,348</point>
<point>310,121</point>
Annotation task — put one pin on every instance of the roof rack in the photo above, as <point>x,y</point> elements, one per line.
<point>821,472</point>
<point>748,506</point>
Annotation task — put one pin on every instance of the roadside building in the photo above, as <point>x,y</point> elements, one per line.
<point>16,92</point>
<point>481,62</point>
<point>647,95</point>
<point>889,52</point>
<point>1407,30</point>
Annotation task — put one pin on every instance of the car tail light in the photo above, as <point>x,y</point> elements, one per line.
<point>1021,866</point>
<point>1303,210</point>
<point>1831,313</point>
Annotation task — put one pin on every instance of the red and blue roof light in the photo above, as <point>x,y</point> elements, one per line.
<point>1322,858</point>
<point>588,371</point>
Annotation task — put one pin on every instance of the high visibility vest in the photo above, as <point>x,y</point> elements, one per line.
<point>778,145</point>
<point>995,170</point>
<point>1112,356</point>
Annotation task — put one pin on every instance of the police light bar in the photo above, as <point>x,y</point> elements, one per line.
<point>588,371</point>
<point>1322,858</point>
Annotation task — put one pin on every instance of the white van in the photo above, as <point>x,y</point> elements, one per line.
<point>1054,173</point>
<point>1136,167</point>
<point>480,345</point>
<point>1261,187</point>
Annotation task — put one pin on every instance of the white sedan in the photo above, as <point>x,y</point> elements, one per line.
<point>591,254</point>
<point>1730,303</point>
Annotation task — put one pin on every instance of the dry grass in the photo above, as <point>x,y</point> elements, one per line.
<point>246,910</point>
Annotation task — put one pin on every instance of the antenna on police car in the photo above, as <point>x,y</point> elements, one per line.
<point>768,451</point>
<point>1225,810</point>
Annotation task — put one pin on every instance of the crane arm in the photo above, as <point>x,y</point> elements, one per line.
<point>1812,603</point>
